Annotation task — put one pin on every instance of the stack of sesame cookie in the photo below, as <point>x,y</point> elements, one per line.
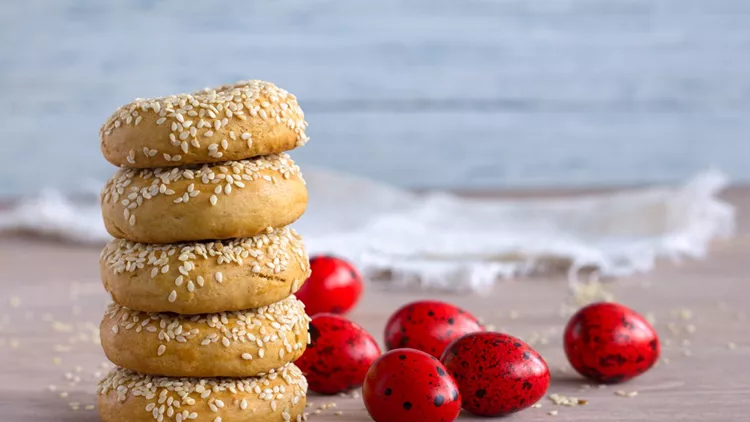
<point>204,325</point>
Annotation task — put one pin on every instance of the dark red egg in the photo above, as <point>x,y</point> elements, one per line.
<point>428,326</point>
<point>407,385</point>
<point>497,374</point>
<point>338,356</point>
<point>334,286</point>
<point>610,343</point>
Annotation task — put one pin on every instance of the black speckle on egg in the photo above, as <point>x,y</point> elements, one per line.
<point>388,391</point>
<point>407,405</point>
<point>314,335</point>
<point>439,400</point>
<point>480,393</point>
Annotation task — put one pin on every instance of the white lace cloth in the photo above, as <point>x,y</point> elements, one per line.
<point>445,242</point>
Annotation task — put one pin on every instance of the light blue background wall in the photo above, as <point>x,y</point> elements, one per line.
<point>416,93</point>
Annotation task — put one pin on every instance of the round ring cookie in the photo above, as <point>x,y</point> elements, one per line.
<point>218,201</point>
<point>226,123</point>
<point>198,278</point>
<point>226,344</point>
<point>278,396</point>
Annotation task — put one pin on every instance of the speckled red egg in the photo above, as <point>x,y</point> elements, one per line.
<point>338,356</point>
<point>428,326</point>
<point>610,343</point>
<point>497,374</point>
<point>407,385</point>
<point>334,286</point>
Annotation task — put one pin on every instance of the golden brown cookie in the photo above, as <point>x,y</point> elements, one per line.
<point>205,277</point>
<point>226,344</point>
<point>227,123</point>
<point>278,396</point>
<point>219,201</point>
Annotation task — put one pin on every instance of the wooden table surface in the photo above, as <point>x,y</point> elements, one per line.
<point>52,302</point>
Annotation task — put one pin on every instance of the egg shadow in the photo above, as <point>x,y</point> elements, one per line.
<point>569,380</point>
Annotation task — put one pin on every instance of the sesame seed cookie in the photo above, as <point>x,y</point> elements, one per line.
<point>225,344</point>
<point>279,396</point>
<point>216,201</point>
<point>230,122</point>
<point>204,277</point>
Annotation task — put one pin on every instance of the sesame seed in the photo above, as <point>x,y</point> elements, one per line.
<point>160,351</point>
<point>172,296</point>
<point>622,393</point>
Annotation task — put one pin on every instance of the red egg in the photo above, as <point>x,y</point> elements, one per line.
<point>497,374</point>
<point>338,356</point>
<point>428,326</point>
<point>334,286</point>
<point>407,385</point>
<point>610,343</point>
